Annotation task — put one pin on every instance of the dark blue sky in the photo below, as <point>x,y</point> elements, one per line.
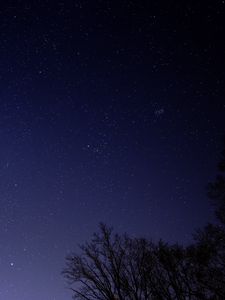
<point>110,111</point>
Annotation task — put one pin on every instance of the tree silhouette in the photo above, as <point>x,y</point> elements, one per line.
<point>216,190</point>
<point>110,267</point>
<point>118,267</point>
<point>210,241</point>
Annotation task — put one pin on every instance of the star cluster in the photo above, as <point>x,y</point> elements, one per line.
<point>109,111</point>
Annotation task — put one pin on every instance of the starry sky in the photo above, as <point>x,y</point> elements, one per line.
<point>110,111</point>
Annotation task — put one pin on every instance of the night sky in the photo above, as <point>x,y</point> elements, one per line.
<point>110,111</point>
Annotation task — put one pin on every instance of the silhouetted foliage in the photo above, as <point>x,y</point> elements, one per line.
<point>209,260</point>
<point>216,190</point>
<point>116,266</point>
<point>112,266</point>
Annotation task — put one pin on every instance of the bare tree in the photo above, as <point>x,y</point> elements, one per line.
<point>110,267</point>
<point>118,267</point>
